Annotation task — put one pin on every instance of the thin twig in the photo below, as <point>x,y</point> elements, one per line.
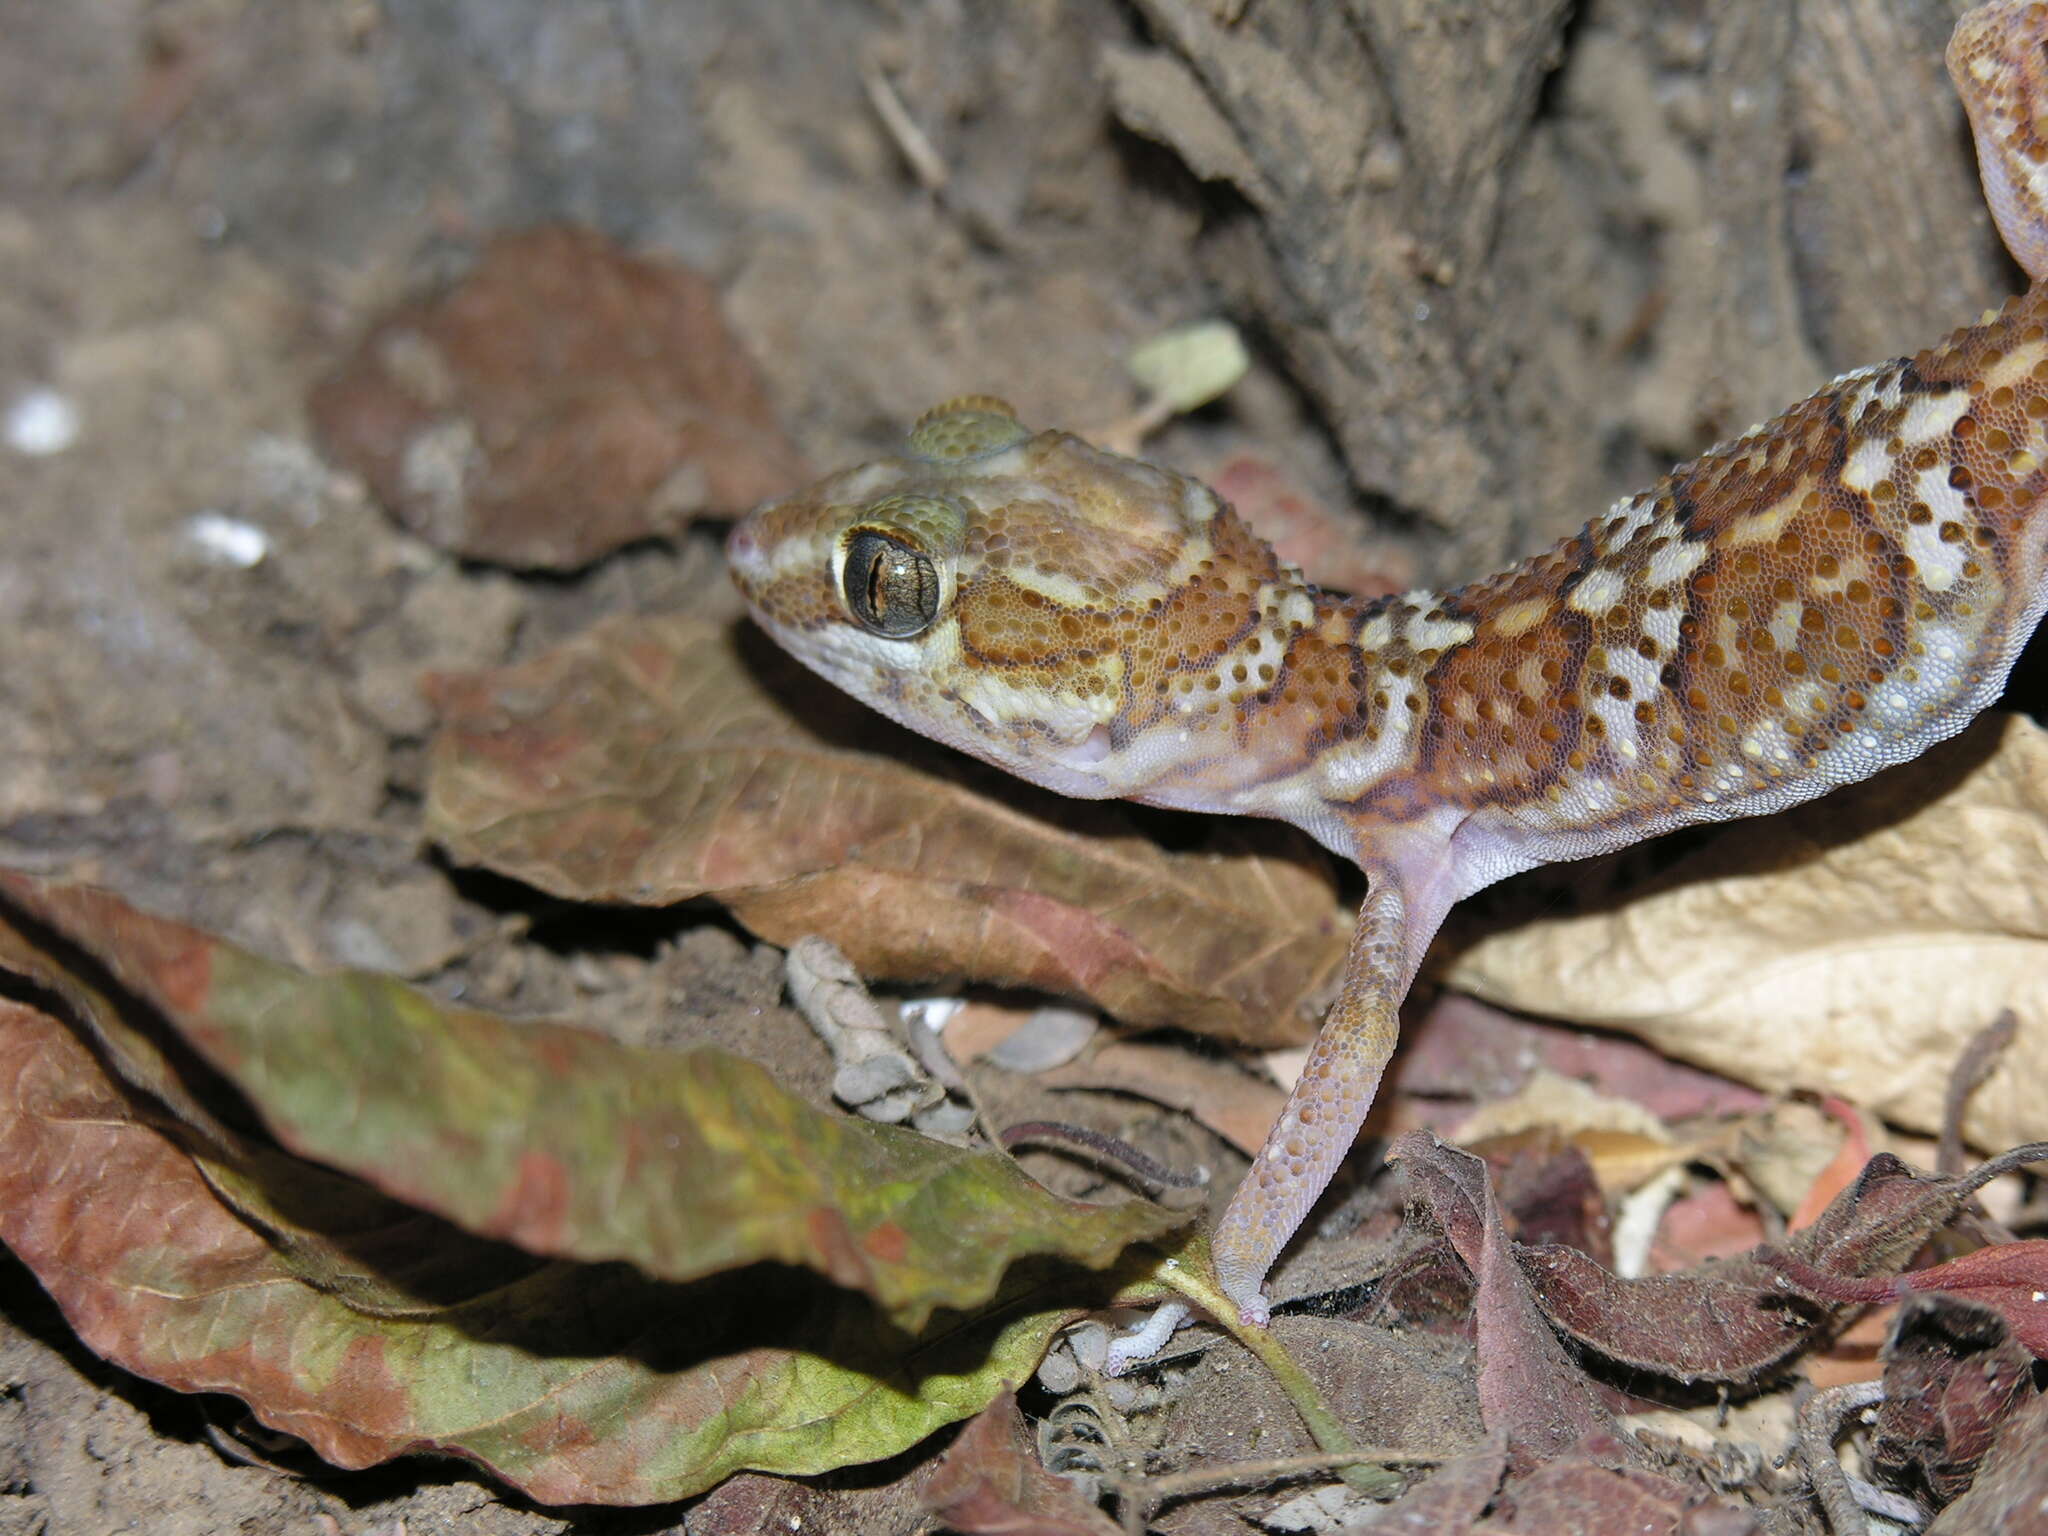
<point>1108,1146</point>
<point>1140,1495</point>
<point>1975,1064</point>
<point>924,161</point>
<point>1820,1420</point>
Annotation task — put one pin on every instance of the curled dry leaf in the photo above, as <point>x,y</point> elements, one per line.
<point>574,1383</point>
<point>2009,1279</point>
<point>1953,1375</point>
<point>1529,1389</point>
<point>650,761</point>
<point>1856,944</point>
<point>2011,1486</point>
<point>1223,1096</point>
<point>561,400</point>
<point>1733,1321</point>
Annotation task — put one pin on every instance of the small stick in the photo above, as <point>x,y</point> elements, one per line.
<point>1820,1419</point>
<point>911,142</point>
<point>1140,1495</point>
<point>1975,1064</point>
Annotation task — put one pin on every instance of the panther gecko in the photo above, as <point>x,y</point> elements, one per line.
<point>1828,594</point>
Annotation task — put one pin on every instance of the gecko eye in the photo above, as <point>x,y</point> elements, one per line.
<point>892,588</point>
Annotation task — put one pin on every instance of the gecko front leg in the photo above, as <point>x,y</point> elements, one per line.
<point>1329,1102</point>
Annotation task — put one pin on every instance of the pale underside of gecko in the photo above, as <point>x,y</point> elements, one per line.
<point>1829,594</point>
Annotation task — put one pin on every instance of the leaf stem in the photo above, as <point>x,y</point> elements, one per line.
<point>1188,1272</point>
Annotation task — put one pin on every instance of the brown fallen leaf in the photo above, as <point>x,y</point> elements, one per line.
<point>1463,1048</point>
<point>1708,1223</point>
<point>1739,1319</point>
<point>2011,1488</point>
<point>1953,1376</point>
<point>1529,1389</point>
<point>1848,1161</point>
<point>1857,944</point>
<point>563,399</point>
<point>648,761</point>
<point>1448,1501</point>
<point>1548,1191</point>
<point>1589,1499</point>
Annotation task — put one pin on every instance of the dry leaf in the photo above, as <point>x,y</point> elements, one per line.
<point>648,761</point>
<point>1227,1099</point>
<point>682,1163</point>
<point>1463,1048</point>
<point>1856,944</point>
<point>2011,1487</point>
<point>1529,1389</point>
<point>340,1280</point>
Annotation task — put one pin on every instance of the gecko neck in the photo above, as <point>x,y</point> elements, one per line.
<point>1334,706</point>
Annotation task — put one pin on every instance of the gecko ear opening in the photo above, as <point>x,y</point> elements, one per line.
<point>890,586</point>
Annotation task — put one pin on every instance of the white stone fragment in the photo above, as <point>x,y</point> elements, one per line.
<point>41,422</point>
<point>228,540</point>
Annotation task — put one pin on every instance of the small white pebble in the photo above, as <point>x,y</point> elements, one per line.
<point>41,422</point>
<point>228,540</point>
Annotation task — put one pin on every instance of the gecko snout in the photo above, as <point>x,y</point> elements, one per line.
<point>742,549</point>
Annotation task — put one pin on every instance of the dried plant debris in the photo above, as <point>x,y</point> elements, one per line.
<point>878,1072</point>
<point>563,399</point>
<point>653,760</point>
<point>1953,1375</point>
<point>381,1220</point>
<point>2011,1487</point>
<point>1962,1364</point>
<point>991,1483</point>
<point>345,1270</point>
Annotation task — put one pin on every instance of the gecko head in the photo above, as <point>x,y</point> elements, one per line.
<point>994,588</point>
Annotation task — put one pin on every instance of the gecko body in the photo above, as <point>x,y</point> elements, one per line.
<point>1826,595</point>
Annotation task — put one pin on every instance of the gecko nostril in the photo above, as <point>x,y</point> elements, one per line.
<point>741,547</point>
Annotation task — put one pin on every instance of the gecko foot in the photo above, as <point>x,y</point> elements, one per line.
<point>1145,1340</point>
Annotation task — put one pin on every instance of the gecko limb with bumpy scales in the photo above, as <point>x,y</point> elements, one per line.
<point>1828,594</point>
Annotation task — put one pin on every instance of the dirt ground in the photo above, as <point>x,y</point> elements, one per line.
<point>1495,270</point>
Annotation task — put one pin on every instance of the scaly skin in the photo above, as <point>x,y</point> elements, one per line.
<point>1829,594</point>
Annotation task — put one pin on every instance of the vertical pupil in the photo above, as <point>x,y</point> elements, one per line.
<point>878,585</point>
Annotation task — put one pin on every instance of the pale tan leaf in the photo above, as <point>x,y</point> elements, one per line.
<point>1855,944</point>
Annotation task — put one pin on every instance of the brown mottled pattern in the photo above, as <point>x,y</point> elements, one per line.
<point>1607,657</point>
<point>1829,593</point>
<point>2007,106</point>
